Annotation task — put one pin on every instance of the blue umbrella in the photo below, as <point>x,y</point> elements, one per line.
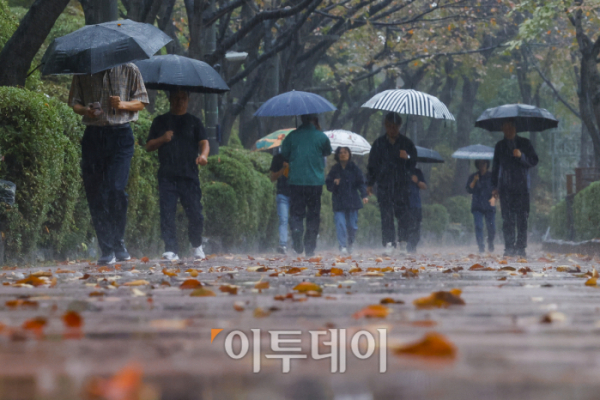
<point>428,156</point>
<point>294,103</point>
<point>474,152</point>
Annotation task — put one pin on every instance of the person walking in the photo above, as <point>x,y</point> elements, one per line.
<point>108,101</point>
<point>483,204</point>
<point>513,157</point>
<point>182,145</point>
<point>279,172</point>
<point>415,212</point>
<point>391,162</point>
<point>346,182</point>
<point>304,149</point>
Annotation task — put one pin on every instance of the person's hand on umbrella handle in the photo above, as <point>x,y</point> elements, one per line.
<point>517,153</point>
<point>336,181</point>
<point>370,190</point>
<point>415,179</point>
<point>365,200</point>
<point>404,155</point>
<point>476,178</point>
<point>201,160</point>
<point>115,102</point>
<point>495,193</point>
<point>167,137</point>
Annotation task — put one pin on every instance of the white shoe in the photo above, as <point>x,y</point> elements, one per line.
<point>389,249</point>
<point>401,248</point>
<point>199,253</point>
<point>170,256</point>
<point>344,251</point>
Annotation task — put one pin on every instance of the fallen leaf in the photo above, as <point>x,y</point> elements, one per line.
<point>190,284</point>
<point>231,289</point>
<point>372,311</point>
<point>72,319</point>
<point>124,385</point>
<point>201,292</point>
<point>313,293</point>
<point>239,306</point>
<point>424,323</point>
<point>261,313</point>
<point>475,267</point>
<point>21,303</point>
<point>32,280</point>
<point>433,345</point>
<point>591,282</point>
<point>502,279</point>
<point>262,285</point>
<point>508,269</point>
<point>35,324</point>
<point>170,324</point>
<point>389,300</point>
<point>64,271</point>
<point>439,299</point>
<point>42,273</point>
<point>140,282</point>
<point>96,294</point>
<point>193,273</point>
<point>259,268</point>
<point>169,272</point>
<point>251,258</point>
<point>315,259</point>
<point>145,260</point>
<point>306,286</point>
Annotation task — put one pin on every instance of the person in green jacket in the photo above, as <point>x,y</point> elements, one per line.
<point>304,150</point>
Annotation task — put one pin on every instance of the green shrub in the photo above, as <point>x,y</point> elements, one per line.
<point>435,220</point>
<point>8,23</point>
<point>459,211</point>
<point>587,213</point>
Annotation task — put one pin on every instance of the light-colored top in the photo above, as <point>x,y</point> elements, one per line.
<point>124,81</point>
<point>304,149</point>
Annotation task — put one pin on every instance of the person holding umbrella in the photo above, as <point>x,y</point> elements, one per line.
<point>513,156</point>
<point>304,150</point>
<point>483,203</point>
<point>346,182</point>
<point>391,163</point>
<point>182,145</point>
<point>108,101</point>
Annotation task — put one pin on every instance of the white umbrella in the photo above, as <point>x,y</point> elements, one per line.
<point>408,101</point>
<point>356,143</point>
<point>474,152</point>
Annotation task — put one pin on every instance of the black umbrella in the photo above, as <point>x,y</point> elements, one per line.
<point>172,72</point>
<point>527,118</point>
<point>96,48</point>
<point>428,156</point>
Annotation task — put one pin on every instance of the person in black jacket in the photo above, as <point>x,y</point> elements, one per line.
<point>391,162</point>
<point>483,203</point>
<point>513,156</point>
<point>347,183</point>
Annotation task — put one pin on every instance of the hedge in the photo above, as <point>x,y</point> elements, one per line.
<point>459,211</point>
<point>586,215</point>
<point>435,220</point>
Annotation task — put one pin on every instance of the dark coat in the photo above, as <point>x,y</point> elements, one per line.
<point>511,174</point>
<point>386,168</point>
<point>482,192</point>
<point>349,193</point>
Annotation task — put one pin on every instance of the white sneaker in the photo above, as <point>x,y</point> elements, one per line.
<point>344,251</point>
<point>199,253</point>
<point>401,248</point>
<point>170,256</point>
<point>389,249</point>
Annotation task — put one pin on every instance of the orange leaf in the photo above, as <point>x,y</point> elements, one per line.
<point>440,299</point>
<point>389,300</point>
<point>125,385</point>
<point>145,260</point>
<point>36,324</point>
<point>140,282</point>
<point>262,285</point>
<point>591,282</point>
<point>373,311</point>
<point>193,273</point>
<point>190,284</point>
<point>315,259</point>
<point>239,306</point>
<point>96,294</point>
<point>475,267</point>
<point>424,323</point>
<point>229,289</point>
<point>168,273</point>
<point>337,271</point>
<point>251,258</point>
<point>72,319</point>
<point>32,280</point>
<point>432,345</point>
<point>306,286</point>
<point>201,292</point>
<point>21,303</point>
<point>292,270</point>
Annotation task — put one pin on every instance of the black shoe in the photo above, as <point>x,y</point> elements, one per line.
<point>509,252</point>
<point>491,247</point>
<point>282,250</point>
<point>298,242</point>
<point>107,259</point>
<point>521,253</point>
<point>122,255</point>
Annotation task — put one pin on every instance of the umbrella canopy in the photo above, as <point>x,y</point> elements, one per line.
<point>474,152</point>
<point>428,156</point>
<point>173,72</point>
<point>272,140</point>
<point>408,101</point>
<point>356,143</point>
<point>527,118</point>
<point>294,103</point>
<point>96,48</point>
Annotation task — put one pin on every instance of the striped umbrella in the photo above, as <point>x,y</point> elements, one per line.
<point>474,152</point>
<point>408,101</point>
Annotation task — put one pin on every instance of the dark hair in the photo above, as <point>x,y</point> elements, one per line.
<point>394,118</point>
<point>485,161</point>
<point>337,153</point>
<point>172,92</point>
<point>309,118</point>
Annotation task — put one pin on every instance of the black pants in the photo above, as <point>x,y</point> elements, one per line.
<point>515,213</point>
<point>305,202</point>
<point>106,153</point>
<point>188,191</point>
<point>394,203</point>
<point>415,216</point>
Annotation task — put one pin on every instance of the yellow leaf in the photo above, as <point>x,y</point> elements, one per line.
<point>140,282</point>
<point>306,286</point>
<point>201,292</point>
<point>432,345</point>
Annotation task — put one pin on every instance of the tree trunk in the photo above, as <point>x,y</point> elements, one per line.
<point>21,48</point>
<point>464,125</point>
<point>99,11</point>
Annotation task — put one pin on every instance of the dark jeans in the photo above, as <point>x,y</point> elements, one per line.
<point>490,222</point>
<point>106,153</point>
<point>515,213</point>
<point>188,191</point>
<point>415,216</point>
<point>305,202</point>
<point>393,203</point>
